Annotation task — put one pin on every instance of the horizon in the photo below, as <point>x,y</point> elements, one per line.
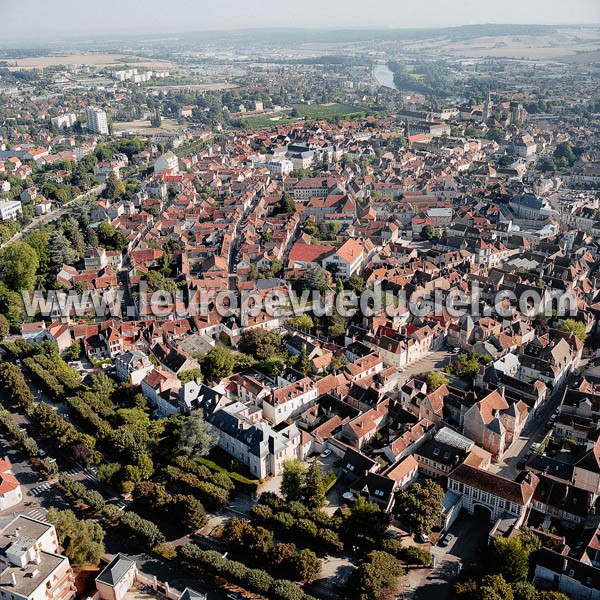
<point>31,21</point>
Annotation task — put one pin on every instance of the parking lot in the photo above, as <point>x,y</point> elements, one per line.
<point>470,536</point>
<point>435,361</point>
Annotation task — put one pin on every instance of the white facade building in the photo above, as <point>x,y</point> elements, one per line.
<point>10,209</point>
<point>96,120</point>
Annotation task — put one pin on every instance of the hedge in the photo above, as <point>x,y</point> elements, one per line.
<point>255,580</point>
<point>243,483</point>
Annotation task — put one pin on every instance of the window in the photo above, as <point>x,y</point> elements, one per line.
<point>379,493</point>
<point>436,451</point>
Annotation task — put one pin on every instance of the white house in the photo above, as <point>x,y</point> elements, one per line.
<point>166,161</point>
<point>10,209</point>
<point>346,260</point>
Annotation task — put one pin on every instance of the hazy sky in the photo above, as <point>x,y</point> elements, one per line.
<point>26,19</point>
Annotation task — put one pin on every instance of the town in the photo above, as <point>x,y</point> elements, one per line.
<point>303,316</point>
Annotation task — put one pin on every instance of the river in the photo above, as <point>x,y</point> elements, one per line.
<point>384,76</point>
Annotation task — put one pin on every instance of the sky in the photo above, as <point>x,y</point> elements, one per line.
<point>30,19</point>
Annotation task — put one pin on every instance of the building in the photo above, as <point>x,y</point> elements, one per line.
<point>262,449</point>
<point>117,578</point>
<point>167,161</point>
<point>557,572</point>
<point>494,495</point>
<point>346,260</point>
<point>133,367</point>
<point>96,120</point>
<point>289,401</point>
<point>10,490</point>
<point>30,566</point>
<point>64,121</point>
<point>10,209</point>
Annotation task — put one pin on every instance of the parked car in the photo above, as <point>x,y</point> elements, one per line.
<point>422,538</point>
<point>446,540</point>
<point>325,453</point>
<point>348,496</point>
<point>390,533</point>
<point>41,453</point>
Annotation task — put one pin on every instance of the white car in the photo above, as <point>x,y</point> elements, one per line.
<point>325,453</point>
<point>348,496</point>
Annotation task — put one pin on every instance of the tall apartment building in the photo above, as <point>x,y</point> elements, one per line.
<point>96,120</point>
<point>30,566</point>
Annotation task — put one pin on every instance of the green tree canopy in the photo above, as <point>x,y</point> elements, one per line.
<point>419,506</point>
<point>18,264</point>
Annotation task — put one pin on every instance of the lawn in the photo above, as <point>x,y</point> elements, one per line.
<point>309,111</point>
<point>326,111</point>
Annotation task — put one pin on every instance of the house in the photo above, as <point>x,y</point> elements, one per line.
<point>95,258</point>
<point>161,389</point>
<point>167,161</point>
<point>132,367</point>
<point>197,396</point>
<point>10,489</point>
<point>262,449</point>
<point>494,424</point>
<point>346,260</point>
<point>117,578</point>
<point>289,400</point>
<point>356,465</point>
<point>557,572</point>
<point>31,567</point>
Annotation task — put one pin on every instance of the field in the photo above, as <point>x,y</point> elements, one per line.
<point>92,59</point>
<point>309,111</point>
<point>143,126</point>
<point>564,43</point>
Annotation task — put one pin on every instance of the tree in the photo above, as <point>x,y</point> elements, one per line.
<point>510,556</point>
<point>314,488</point>
<point>436,379</point>
<point>189,511</point>
<point>301,322</point>
<point>301,362</point>
<point>217,363</point>
<point>40,242</point>
<point>114,187</point>
<point>292,480</point>
<point>19,263</point>
<point>73,351</point>
<point>366,523</point>
<point>427,232</point>
<point>317,278</point>
<point>261,344</point>
<point>420,506</point>
<point>577,328</point>
<point>83,541</point>
<point>197,436</point>
<point>61,250</point>
<point>4,327</point>
<point>377,572</point>
<point>305,565</point>
<point>110,238</point>
<point>190,375</point>
<point>495,587</point>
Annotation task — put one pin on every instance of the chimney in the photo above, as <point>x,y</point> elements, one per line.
<point>13,580</point>
<point>565,565</point>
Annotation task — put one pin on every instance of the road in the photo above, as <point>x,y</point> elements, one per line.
<point>534,431</point>
<point>53,216</point>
